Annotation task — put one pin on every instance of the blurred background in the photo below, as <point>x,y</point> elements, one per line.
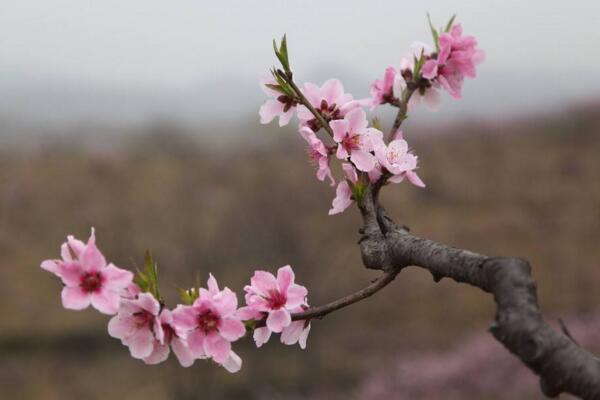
<point>140,118</point>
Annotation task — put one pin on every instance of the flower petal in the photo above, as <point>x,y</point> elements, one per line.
<point>117,278</point>
<point>217,347</point>
<point>232,329</point>
<point>233,363</point>
<point>285,278</point>
<point>296,296</point>
<point>160,353</point>
<point>74,298</point>
<point>261,336</point>
<point>182,352</point>
<point>141,343</point>
<point>278,319</point>
<point>106,301</point>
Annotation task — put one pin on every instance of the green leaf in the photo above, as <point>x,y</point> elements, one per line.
<point>418,65</point>
<point>434,33</point>
<point>282,53</point>
<point>147,279</point>
<point>450,23</point>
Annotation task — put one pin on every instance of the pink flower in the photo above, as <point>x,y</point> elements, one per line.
<point>274,297</point>
<point>355,139</point>
<point>318,154</point>
<point>329,100</point>
<point>398,161</point>
<point>212,324</point>
<point>88,279</point>
<point>456,60</point>
<point>280,105</point>
<point>343,192</point>
<point>382,90</point>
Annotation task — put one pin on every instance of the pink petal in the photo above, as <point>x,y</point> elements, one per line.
<point>50,266</point>
<point>116,278</point>
<point>233,363</point>
<point>184,317</point>
<point>285,117</point>
<point>357,120</point>
<point>340,127</point>
<point>341,152</point>
<point>248,313</point>
<point>263,281</point>
<point>296,296</point>
<point>261,336</point>
<point>304,337</point>
<point>304,114</point>
<point>232,329</point>
<point>225,303</point>
<point>269,110</point>
<point>342,200</point>
<point>91,258</point>
<point>350,172</point>
<point>278,319</point>
<point>70,273</point>
<point>414,179</point>
<point>195,341</point>
<point>430,69</point>
<point>72,247</point>
<point>213,287</point>
<point>106,301</point>
<point>331,90</point>
<point>217,347</point>
<point>432,99</point>
<point>291,334</point>
<point>182,352</point>
<point>363,160</point>
<point>160,353</point>
<point>74,298</point>
<point>141,343</point>
<point>121,326</point>
<point>285,277</point>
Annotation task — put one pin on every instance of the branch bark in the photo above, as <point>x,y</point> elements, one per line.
<point>560,363</point>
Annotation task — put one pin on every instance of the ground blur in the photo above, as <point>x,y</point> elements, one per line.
<point>526,188</point>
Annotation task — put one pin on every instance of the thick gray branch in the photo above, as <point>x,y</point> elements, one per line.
<point>560,363</point>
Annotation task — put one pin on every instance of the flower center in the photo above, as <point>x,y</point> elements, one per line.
<point>351,142</point>
<point>329,111</point>
<point>276,299</point>
<point>208,322</point>
<point>91,282</point>
<point>143,318</point>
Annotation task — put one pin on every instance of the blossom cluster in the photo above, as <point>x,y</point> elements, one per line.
<point>203,328</point>
<point>365,155</point>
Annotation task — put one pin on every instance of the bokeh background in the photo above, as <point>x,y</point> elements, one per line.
<point>140,118</point>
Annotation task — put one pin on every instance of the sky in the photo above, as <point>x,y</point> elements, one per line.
<point>182,59</point>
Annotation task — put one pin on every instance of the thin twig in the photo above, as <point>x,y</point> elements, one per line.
<point>402,110</point>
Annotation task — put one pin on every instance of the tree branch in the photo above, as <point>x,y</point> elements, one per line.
<point>402,110</point>
<point>560,363</point>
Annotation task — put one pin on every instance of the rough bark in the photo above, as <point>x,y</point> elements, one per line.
<point>561,364</point>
